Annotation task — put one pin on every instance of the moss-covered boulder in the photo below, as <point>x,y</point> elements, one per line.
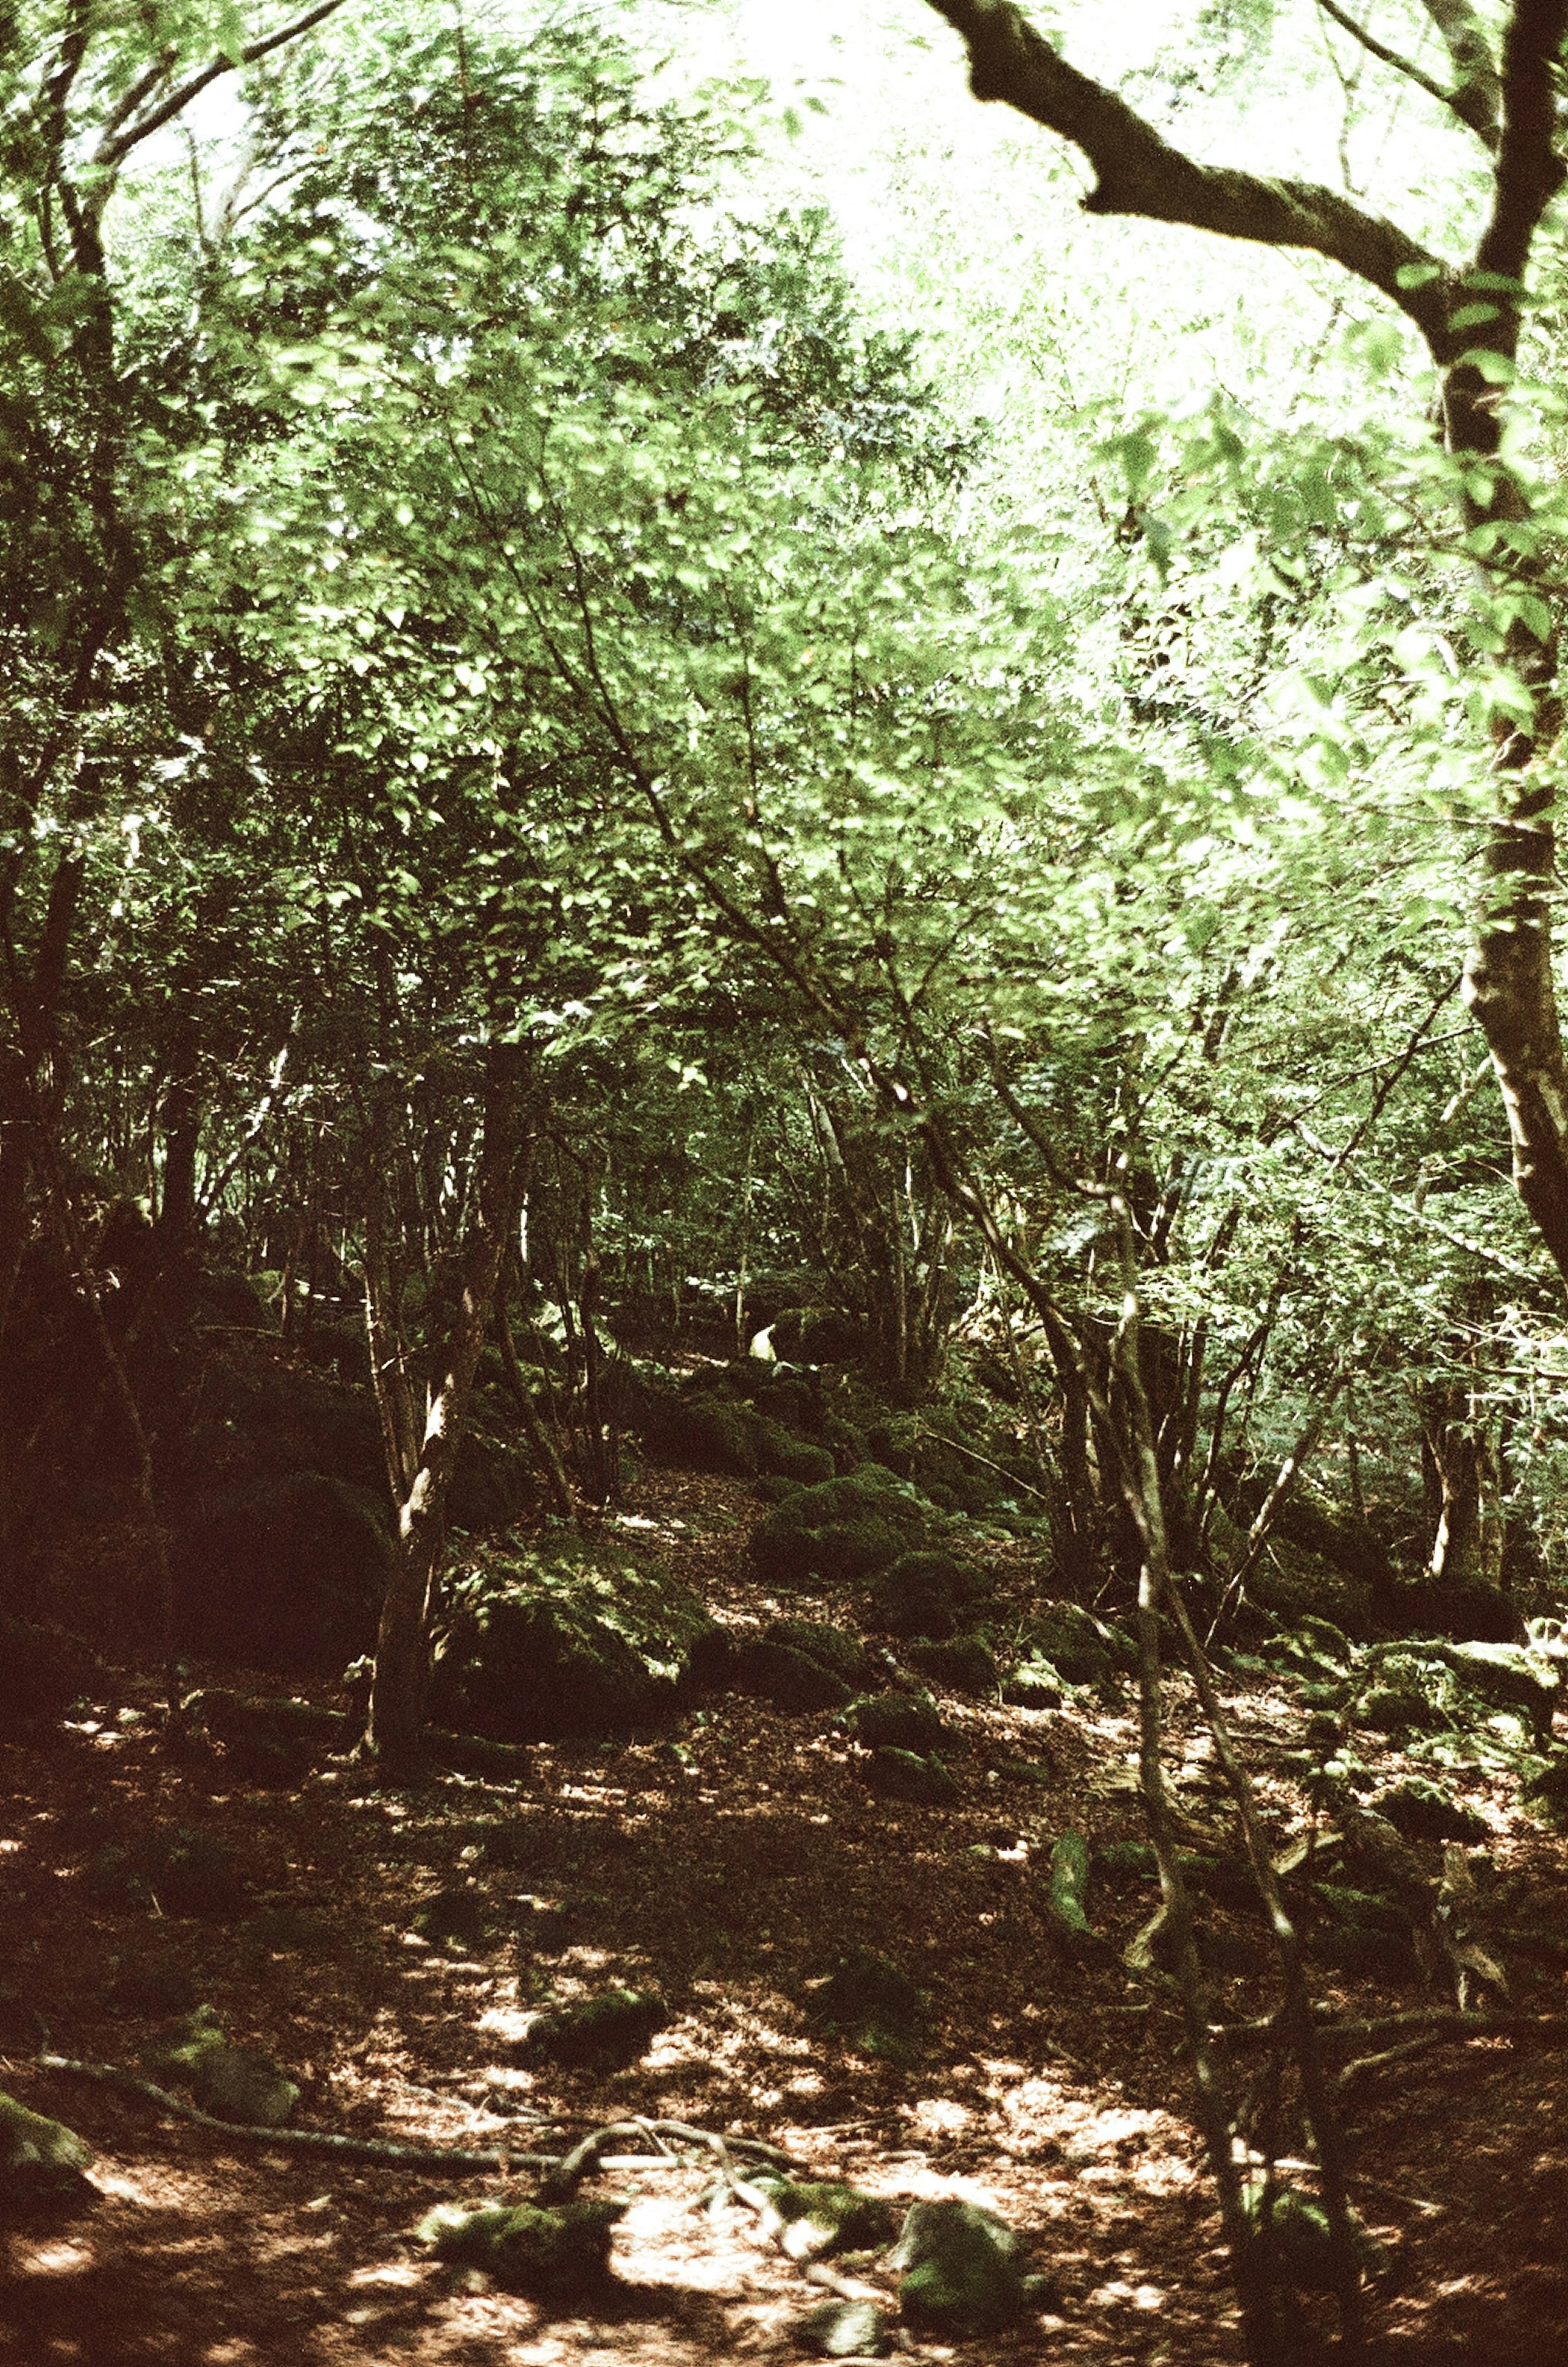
<point>149,1984</point>
<point>605,2033</point>
<point>1294,2229</point>
<point>571,1635</point>
<point>895,1722</point>
<point>42,1670</point>
<point>559,2255</point>
<point>923,1781</point>
<point>285,1574</point>
<point>232,2083</point>
<point>1080,1648</point>
<point>1033,1684</point>
<point>791,1681</point>
<point>838,1530</point>
<point>457,1919</point>
<point>962,2270</point>
<point>871,2003</point>
<point>924,1594</point>
<point>815,2216</point>
<point>832,1647</point>
<point>1422,1811</point>
<point>965,1664</point>
<point>41,2163</point>
<point>183,1872</point>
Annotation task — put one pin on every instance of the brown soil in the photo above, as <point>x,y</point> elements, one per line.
<point>721,1865</point>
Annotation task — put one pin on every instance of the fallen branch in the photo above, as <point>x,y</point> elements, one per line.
<point>1442,2023</point>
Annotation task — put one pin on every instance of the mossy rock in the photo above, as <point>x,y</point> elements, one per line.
<point>798,1460</point>
<point>41,2162</point>
<point>1421,1811</point>
<point>1295,2229</point>
<point>924,1783</point>
<point>1507,1676</point>
<point>1398,1709</point>
<point>924,1594</point>
<point>232,2083</point>
<point>872,2002</point>
<point>837,1530</point>
<point>1546,1794</point>
<point>965,1664</point>
<point>267,1742</point>
<point>149,1984</point>
<point>559,2255</point>
<point>184,1872</point>
<point>895,1722</point>
<point>844,2329</point>
<point>1080,1648</point>
<point>831,1648</point>
<point>710,1434</point>
<point>607,2031</point>
<point>44,1669</point>
<point>822,2215</point>
<point>460,1919</point>
<point>962,2272</point>
<point>1033,1685</point>
<point>285,1574</point>
<point>791,1681</point>
<point>569,1636</point>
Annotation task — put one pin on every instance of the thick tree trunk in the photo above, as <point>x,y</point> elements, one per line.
<point>394,1736</point>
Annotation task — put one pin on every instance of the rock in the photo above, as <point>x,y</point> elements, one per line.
<point>560,2254</point>
<point>41,2162</point>
<point>607,2031</point>
<point>1421,1812</point>
<point>150,1985</point>
<point>1033,1685</point>
<point>872,2002</point>
<point>540,1923</point>
<point>833,1647</point>
<point>42,1670</point>
<point>232,2083</point>
<point>904,1775</point>
<point>184,1872</point>
<point>1399,1709</point>
<point>965,1665</point>
<point>923,1594</point>
<point>285,1574</point>
<point>961,2271</point>
<point>569,1635</point>
<point>818,2216</point>
<point>844,2329</point>
<point>777,1673</point>
<point>839,1529</point>
<point>1508,1676</point>
<point>1547,1792</point>
<point>268,1742</point>
<point>895,1722</point>
<point>1079,1647</point>
<point>1296,2231</point>
<point>459,1918</point>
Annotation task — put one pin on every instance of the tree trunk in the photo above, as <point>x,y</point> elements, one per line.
<point>394,1736</point>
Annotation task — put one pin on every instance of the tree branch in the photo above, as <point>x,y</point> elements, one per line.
<point>1475,69</point>
<point>112,152</point>
<point>1529,171</point>
<point>1136,172</point>
<point>1462,102</point>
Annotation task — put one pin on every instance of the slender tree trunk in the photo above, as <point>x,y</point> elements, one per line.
<point>394,1733</point>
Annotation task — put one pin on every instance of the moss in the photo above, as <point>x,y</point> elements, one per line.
<point>838,1529</point>
<point>572,1636</point>
<point>42,2161</point>
<point>607,2031</point>
<point>790,1680</point>
<point>826,2216</point>
<point>906,1776</point>
<point>895,1722</point>
<point>184,1872</point>
<point>232,2083</point>
<point>1033,1685</point>
<point>559,2255</point>
<point>832,1647</point>
<point>962,2272</point>
<point>965,1665</point>
<point>1422,1812</point>
<point>872,2002</point>
<point>459,1919</point>
<point>921,1594</point>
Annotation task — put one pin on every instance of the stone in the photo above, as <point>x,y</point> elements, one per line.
<point>895,1722</point>
<point>1295,2228</point>
<point>905,1775</point>
<point>284,1574</point>
<point>560,2255</point>
<point>1079,1647</point>
<point>1420,1811</point>
<point>608,2032</point>
<point>872,2002</point>
<point>818,2216</point>
<point>454,1919</point>
<point>1033,1685</point>
<point>961,2271</point>
<point>41,2162</point>
<point>232,2083</point>
<point>833,1647</point>
<point>965,1665</point>
<point>844,2329</point>
<point>150,1985</point>
<point>790,1680</point>
<point>837,1530</point>
<point>923,1594</point>
<point>567,1635</point>
<point>183,1872</point>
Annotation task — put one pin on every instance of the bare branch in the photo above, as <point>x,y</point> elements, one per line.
<point>1529,170</point>
<point>1456,101</point>
<point>1475,68</point>
<point>112,152</point>
<point>1136,172</point>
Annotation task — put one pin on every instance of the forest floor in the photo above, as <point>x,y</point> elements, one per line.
<point>721,1865</point>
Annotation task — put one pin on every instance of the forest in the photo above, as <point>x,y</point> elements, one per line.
<point>783,1183</point>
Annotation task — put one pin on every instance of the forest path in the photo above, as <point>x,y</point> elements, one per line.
<point>723,1865</point>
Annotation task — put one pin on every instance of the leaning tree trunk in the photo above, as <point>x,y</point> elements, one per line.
<point>394,1733</point>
